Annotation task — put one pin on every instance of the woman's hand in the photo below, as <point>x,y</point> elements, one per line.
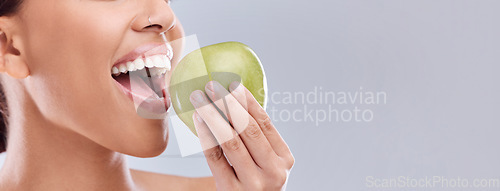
<point>259,158</point>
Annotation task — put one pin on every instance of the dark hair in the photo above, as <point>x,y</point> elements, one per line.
<point>7,7</point>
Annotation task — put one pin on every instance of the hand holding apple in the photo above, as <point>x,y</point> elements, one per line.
<point>243,148</point>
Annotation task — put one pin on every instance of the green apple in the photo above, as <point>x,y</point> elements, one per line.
<point>224,62</point>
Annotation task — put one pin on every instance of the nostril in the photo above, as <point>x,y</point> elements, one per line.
<point>157,26</point>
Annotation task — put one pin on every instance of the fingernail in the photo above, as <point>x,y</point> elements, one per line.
<point>197,97</point>
<point>210,87</point>
<point>198,117</point>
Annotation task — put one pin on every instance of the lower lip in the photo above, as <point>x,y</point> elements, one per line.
<point>148,106</point>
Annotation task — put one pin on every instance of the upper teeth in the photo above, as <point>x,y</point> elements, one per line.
<point>157,65</point>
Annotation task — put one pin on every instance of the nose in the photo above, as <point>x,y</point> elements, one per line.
<point>157,17</point>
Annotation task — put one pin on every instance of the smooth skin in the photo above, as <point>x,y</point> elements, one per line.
<point>70,126</point>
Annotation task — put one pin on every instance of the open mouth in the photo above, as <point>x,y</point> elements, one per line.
<point>141,75</point>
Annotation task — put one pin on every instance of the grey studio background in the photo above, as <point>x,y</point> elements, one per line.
<point>435,61</point>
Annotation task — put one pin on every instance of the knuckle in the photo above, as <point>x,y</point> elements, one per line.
<point>233,186</point>
<point>227,187</point>
<point>232,144</point>
<point>281,181</point>
<point>278,177</point>
<point>266,123</point>
<point>256,184</point>
<point>253,130</point>
<point>216,154</point>
<point>289,161</point>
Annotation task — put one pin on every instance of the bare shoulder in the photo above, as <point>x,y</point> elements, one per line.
<point>150,181</point>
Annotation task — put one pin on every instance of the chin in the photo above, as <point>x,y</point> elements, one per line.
<point>148,148</point>
<point>149,152</point>
<point>146,142</point>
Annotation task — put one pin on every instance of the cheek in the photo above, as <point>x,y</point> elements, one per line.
<point>69,59</point>
<point>72,38</point>
<point>70,81</point>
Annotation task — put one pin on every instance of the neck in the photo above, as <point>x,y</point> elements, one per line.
<point>44,156</point>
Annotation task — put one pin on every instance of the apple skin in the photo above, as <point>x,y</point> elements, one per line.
<point>223,62</point>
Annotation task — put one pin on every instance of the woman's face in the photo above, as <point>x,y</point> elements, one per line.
<point>70,48</point>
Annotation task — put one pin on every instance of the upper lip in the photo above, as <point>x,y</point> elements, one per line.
<point>146,50</point>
